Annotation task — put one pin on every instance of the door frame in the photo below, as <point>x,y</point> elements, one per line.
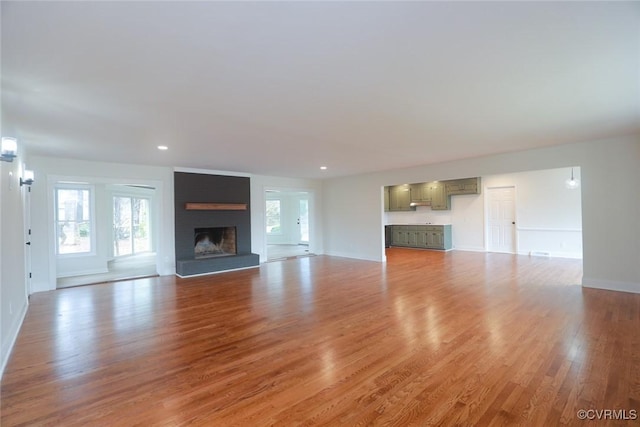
<point>28,259</point>
<point>487,218</point>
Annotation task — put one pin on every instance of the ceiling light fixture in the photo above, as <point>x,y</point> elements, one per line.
<point>324,168</point>
<point>9,149</point>
<point>572,183</point>
<point>163,147</point>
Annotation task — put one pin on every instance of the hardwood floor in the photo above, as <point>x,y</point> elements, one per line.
<point>430,338</point>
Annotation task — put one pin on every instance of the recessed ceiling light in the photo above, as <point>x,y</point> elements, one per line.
<point>162,147</point>
<point>324,168</point>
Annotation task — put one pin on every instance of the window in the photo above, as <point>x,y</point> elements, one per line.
<point>273,217</point>
<point>130,225</point>
<point>74,224</point>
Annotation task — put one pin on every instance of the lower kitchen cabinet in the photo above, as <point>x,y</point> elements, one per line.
<point>399,236</point>
<point>422,236</point>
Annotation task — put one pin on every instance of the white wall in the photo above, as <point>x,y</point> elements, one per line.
<point>610,206</point>
<point>259,185</point>
<point>51,170</point>
<point>13,292</point>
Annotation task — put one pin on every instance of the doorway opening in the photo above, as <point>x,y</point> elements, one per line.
<point>288,224</point>
<point>534,213</point>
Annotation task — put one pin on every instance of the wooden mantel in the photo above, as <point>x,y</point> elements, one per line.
<point>215,206</point>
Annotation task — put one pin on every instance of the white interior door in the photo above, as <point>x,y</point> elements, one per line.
<point>501,216</point>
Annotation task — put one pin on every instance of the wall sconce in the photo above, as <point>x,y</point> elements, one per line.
<point>27,179</point>
<point>572,183</point>
<point>8,149</point>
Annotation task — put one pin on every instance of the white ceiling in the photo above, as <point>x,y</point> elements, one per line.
<point>281,88</point>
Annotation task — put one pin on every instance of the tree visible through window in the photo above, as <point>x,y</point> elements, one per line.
<point>130,226</point>
<point>273,217</point>
<point>73,220</point>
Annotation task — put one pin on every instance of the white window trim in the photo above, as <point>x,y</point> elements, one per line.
<point>92,219</point>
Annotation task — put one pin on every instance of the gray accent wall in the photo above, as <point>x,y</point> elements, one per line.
<point>204,188</point>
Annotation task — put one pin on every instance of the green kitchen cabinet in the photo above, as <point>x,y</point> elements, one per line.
<point>421,193</point>
<point>436,194</point>
<point>439,196</point>
<point>463,186</point>
<point>400,198</point>
<point>422,236</point>
<point>400,235</point>
<point>385,191</point>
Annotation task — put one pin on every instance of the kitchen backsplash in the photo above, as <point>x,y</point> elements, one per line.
<point>422,215</point>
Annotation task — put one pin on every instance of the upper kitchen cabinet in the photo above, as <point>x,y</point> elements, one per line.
<point>385,190</point>
<point>439,196</point>
<point>430,194</point>
<point>400,198</point>
<point>435,194</point>
<point>463,186</point>
<point>421,193</point>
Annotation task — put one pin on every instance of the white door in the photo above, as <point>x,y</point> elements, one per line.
<point>501,216</point>
<point>303,221</point>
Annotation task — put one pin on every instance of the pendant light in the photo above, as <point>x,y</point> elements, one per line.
<point>572,183</point>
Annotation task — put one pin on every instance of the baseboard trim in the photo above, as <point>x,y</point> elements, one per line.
<point>611,285</point>
<point>569,255</point>
<point>15,331</point>
<point>469,249</point>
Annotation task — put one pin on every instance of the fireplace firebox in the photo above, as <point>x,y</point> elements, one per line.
<point>215,242</point>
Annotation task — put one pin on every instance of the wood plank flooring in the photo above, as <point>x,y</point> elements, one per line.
<point>429,338</point>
